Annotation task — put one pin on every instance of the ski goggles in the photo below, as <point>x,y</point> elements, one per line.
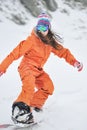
<point>42,28</point>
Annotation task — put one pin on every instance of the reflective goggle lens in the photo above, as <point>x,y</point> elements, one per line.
<point>42,28</point>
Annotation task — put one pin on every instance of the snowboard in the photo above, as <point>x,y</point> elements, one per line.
<point>38,119</point>
<point>18,126</point>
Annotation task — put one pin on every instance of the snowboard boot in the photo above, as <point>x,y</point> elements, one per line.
<point>37,109</point>
<point>21,113</point>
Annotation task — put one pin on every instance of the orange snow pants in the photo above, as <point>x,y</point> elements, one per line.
<point>33,77</point>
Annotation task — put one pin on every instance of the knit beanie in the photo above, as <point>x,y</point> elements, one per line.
<point>44,20</point>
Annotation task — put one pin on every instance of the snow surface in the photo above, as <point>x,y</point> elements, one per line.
<point>66,109</point>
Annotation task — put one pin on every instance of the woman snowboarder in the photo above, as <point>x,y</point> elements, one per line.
<point>35,51</point>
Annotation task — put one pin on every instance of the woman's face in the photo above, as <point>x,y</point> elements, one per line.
<point>44,33</point>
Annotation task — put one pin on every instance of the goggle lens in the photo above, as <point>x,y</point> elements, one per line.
<point>42,28</point>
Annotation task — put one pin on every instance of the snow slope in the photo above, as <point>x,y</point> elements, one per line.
<point>66,109</point>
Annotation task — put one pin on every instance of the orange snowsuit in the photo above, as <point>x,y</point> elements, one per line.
<point>35,54</point>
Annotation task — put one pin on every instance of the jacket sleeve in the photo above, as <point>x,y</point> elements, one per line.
<point>66,54</point>
<point>17,52</point>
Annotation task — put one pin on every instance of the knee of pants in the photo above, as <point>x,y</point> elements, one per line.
<point>49,88</point>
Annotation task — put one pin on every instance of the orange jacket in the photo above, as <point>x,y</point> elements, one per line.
<point>35,52</point>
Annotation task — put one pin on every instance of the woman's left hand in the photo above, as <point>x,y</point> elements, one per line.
<point>78,65</point>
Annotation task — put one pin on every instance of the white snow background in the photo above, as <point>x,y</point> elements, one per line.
<point>66,109</point>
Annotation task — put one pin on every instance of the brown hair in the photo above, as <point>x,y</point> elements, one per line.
<point>51,38</point>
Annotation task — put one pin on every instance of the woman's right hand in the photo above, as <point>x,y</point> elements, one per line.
<point>1,73</point>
